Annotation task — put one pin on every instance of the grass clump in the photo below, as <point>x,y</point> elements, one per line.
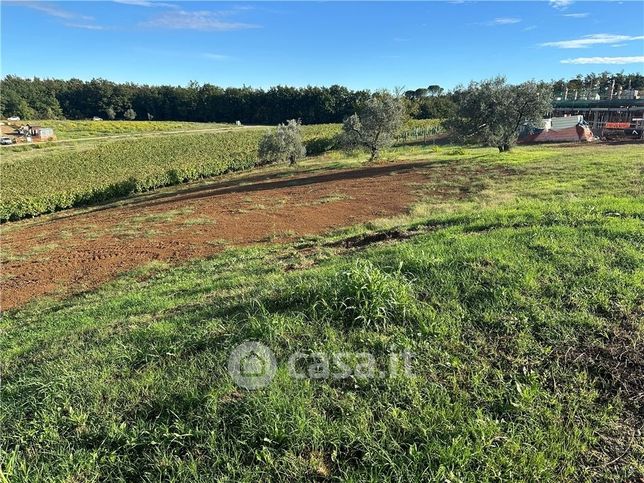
<point>360,295</point>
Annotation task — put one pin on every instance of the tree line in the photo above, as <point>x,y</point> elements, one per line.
<point>77,99</point>
<point>593,84</point>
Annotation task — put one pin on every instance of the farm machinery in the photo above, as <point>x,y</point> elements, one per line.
<point>618,131</point>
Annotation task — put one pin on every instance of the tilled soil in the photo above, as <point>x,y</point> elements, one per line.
<point>77,250</point>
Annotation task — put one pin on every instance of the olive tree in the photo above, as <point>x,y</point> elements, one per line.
<point>282,144</point>
<point>375,125</point>
<point>129,114</point>
<point>492,111</point>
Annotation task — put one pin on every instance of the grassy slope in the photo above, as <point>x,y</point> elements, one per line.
<point>525,318</point>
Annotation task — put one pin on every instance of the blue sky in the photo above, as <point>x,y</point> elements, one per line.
<point>360,45</point>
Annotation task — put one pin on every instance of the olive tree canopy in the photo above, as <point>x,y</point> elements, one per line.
<point>282,144</point>
<point>493,111</point>
<point>129,114</point>
<point>375,125</point>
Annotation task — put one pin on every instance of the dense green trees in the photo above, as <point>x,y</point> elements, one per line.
<point>77,99</point>
<point>29,99</point>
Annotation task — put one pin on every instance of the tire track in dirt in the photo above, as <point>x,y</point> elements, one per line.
<point>78,250</point>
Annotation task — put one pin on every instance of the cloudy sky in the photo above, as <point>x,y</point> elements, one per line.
<point>360,45</point>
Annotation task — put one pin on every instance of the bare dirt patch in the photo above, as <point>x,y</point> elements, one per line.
<point>77,250</point>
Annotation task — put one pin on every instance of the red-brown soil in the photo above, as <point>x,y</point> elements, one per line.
<point>79,249</point>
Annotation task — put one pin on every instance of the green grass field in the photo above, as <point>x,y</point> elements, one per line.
<point>520,296</point>
<point>83,129</point>
<point>512,314</point>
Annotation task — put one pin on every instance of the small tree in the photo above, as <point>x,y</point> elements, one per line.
<point>283,144</point>
<point>492,111</point>
<point>435,90</point>
<point>374,127</point>
<point>110,113</point>
<point>129,114</point>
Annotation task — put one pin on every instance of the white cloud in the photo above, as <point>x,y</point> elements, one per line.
<point>86,26</point>
<point>146,3</point>
<point>211,56</point>
<point>71,19</point>
<point>138,3</point>
<point>576,15</point>
<point>505,21</point>
<point>594,39</point>
<point>50,9</point>
<point>529,27</point>
<point>197,20</point>
<point>639,59</point>
<point>560,4</point>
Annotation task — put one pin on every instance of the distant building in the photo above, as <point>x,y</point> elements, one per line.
<point>629,94</point>
<point>598,113</point>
